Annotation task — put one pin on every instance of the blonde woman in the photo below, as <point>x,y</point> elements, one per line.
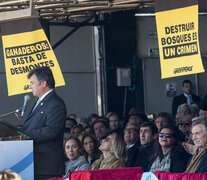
<point>114,153</point>
<point>9,175</point>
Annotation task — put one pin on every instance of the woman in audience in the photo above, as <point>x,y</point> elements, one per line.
<point>73,150</point>
<point>90,146</point>
<point>169,155</point>
<point>114,153</point>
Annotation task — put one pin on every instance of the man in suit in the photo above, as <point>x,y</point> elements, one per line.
<point>197,163</point>
<point>45,125</point>
<point>131,138</point>
<point>185,98</point>
<point>148,137</point>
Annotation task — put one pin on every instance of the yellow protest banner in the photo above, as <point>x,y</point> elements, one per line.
<point>177,28</point>
<point>25,47</point>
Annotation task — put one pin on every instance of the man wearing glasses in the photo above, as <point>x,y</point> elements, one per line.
<point>131,138</point>
<point>185,125</point>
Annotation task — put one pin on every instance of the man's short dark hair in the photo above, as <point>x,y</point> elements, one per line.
<point>186,81</point>
<point>43,74</point>
<point>167,116</point>
<point>141,116</point>
<point>151,125</point>
<point>103,120</point>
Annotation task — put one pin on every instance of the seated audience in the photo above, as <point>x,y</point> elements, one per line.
<point>101,127</point>
<point>131,138</point>
<point>148,137</point>
<point>90,146</point>
<point>163,119</point>
<point>170,155</point>
<point>197,163</point>
<point>114,153</point>
<point>73,150</point>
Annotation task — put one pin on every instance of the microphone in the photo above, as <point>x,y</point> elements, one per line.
<point>26,99</point>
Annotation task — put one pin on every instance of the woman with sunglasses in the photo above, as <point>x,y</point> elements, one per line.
<point>114,153</point>
<point>169,155</point>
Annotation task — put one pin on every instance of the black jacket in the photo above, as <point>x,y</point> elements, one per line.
<point>131,155</point>
<point>143,157</point>
<point>181,99</point>
<point>202,167</point>
<point>179,161</point>
<point>45,125</point>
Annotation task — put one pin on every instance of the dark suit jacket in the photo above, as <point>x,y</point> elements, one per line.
<point>131,155</point>
<point>143,157</point>
<point>202,167</point>
<point>181,99</point>
<point>45,125</point>
<point>179,161</point>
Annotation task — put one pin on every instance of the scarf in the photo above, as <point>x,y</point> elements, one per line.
<point>195,161</point>
<point>162,165</point>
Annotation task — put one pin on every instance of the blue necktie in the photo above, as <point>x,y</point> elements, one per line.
<point>38,101</point>
<point>189,99</point>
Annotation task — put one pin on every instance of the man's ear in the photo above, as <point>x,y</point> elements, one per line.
<point>44,83</point>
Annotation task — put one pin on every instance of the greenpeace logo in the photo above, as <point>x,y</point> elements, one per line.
<point>183,69</point>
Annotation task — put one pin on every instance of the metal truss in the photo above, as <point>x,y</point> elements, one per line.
<point>62,10</point>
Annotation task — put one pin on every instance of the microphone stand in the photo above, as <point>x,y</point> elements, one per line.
<point>13,112</point>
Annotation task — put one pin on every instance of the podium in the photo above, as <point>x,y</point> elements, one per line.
<point>16,151</point>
